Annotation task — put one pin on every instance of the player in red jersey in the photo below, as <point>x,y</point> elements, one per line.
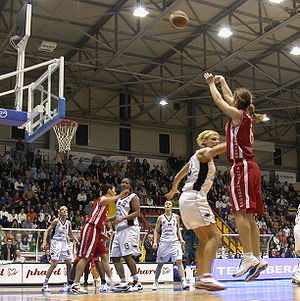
<point>92,234</point>
<point>245,186</point>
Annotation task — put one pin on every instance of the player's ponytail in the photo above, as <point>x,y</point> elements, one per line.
<point>256,117</point>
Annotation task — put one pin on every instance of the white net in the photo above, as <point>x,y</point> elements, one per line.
<point>65,131</point>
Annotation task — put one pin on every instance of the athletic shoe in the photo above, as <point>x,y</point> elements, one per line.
<point>155,286</point>
<point>296,278</point>
<point>255,272</point>
<point>245,265</point>
<point>121,287</point>
<point>137,286</point>
<point>185,285</point>
<point>65,289</point>
<point>103,288</point>
<point>207,282</point>
<point>45,288</point>
<point>76,289</point>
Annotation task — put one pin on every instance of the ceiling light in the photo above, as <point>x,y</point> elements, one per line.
<point>295,50</point>
<point>163,102</point>
<point>276,1</point>
<point>140,12</point>
<point>225,32</point>
<point>266,118</point>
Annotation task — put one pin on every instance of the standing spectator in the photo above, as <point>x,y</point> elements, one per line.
<point>150,251</point>
<point>29,153</point>
<point>20,150</point>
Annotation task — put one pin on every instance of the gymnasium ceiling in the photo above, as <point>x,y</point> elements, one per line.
<point>107,51</point>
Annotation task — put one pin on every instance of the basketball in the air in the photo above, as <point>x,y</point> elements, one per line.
<point>179,19</point>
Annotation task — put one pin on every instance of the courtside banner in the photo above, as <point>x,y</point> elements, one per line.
<point>10,273</point>
<point>279,268</point>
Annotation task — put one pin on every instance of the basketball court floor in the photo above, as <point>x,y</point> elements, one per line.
<point>263,290</point>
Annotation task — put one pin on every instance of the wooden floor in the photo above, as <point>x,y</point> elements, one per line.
<point>264,290</point>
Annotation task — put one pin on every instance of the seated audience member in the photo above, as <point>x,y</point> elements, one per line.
<point>46,257</point>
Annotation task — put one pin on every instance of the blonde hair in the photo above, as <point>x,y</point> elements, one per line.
<point>256,117</point>
<point>61,208</point>
<point>203,136</point>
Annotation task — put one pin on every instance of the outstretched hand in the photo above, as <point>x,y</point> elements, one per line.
<point>209,77</point>
<point>170,195</point>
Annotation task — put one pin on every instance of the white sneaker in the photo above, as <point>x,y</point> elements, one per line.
<point>296,278</point>
<point>104,288</point>
<point>185,285</point>
<point>155,286</point>
<point>121,287</point>
<point>255,272</point>
<point>76,289</point>
<point>207,282</point>
<point>65,289</point>
<point>45,288</point>
<point>245,265</point>
<point>137,286</point>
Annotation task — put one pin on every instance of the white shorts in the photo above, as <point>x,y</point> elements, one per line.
<point>169,250</point>
<point>60,250</point>
<point>194,210</point>
<point>126,242</point>
<point>297,237</point>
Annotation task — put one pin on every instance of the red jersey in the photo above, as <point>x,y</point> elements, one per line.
<point>98,215</point>
<point>240,138</point>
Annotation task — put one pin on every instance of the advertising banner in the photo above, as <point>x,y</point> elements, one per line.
<point>10,273</point>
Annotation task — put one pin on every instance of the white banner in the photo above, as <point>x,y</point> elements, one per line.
<point>283,176</point>
<point>10,273</point>
<point>35,273</point>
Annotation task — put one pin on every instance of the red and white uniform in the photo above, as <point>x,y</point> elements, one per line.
<point>245,179</point>
<point>92,242</point>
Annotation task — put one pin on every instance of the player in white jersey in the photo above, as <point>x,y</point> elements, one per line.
<point>170,245</point>
<point>194,208</point>
<point>127,237</point>
<point>59,246</point>
<point>296,276</point>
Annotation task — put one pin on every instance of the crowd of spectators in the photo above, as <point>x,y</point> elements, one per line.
<point>32,190</point>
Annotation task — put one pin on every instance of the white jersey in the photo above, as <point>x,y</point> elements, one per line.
<point>124,208</point>
<point>200,175</point>
<point>169,228</point>
<point>297,219</point>
<point>60,231</point>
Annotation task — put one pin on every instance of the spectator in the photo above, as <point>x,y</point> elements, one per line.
<point>150,251</point>
<point>24,245</point>
<point>81,197</point>
<point>8,250</point>
<point>80,167</point>
<point>191,256</point>
<point>22,216</point>
<point>27,224</point>
<point>19,257</point>
<point>20,150</point>
<point>46,257</point>
<point>6,200</point>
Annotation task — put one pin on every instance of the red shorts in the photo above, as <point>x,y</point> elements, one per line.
<point>91,243</point>
<point>245,187</point>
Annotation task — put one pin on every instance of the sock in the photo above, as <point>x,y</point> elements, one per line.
<point>70,282</point>
<point>248,255</point>
<point>46,281</point>
<point>135,278</point>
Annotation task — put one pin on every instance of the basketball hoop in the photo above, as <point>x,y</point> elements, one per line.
<point>65,131</point>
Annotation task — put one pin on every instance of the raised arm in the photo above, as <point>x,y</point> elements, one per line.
<point>104,200</point>
<point>227,109</point>
<point>180,175</point>
<point>226,91</point>
<point>206,154</point>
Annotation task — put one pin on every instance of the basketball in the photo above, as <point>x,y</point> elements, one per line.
<point>179,19</point>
